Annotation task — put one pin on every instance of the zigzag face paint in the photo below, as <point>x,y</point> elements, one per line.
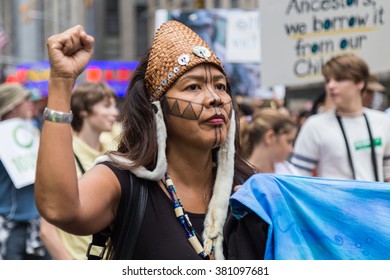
<point>200,95</point>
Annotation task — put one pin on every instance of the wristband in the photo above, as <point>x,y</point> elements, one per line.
<point>57,116</point>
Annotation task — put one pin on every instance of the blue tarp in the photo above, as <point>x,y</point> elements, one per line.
<point>317,218</point>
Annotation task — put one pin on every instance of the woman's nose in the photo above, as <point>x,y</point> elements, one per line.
<point>116,112</point>
<point>215,100</point>
<point>330,83</point>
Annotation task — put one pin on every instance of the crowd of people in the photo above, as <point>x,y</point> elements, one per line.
<point>178,148</point>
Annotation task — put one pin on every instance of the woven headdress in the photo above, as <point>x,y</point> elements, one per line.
<point>175,50</point>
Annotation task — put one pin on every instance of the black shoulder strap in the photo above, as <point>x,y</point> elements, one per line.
<point>372,145</point>
<point>373,153</point>
<point>132,218</point>
<point>347,146</point>
<point>79,164</point>
<point>135,200</point>
<point>99,239</point>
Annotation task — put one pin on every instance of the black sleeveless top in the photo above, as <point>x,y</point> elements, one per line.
<point>161,237</point>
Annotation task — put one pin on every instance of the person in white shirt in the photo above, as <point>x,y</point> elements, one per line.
<point>349,142</point>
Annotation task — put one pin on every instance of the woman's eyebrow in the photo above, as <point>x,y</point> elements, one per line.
<point>201,78</point>
<point>218,77</point>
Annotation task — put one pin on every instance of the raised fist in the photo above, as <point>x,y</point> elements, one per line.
<point>69,52</point>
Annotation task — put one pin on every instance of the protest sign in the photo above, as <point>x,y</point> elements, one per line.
<point>299,36</point>
<point>19,143</point>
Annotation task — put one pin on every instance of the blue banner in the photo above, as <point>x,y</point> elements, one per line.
<point>317,218</point>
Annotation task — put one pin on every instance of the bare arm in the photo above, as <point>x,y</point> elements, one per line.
<point>53,243</point>
<point>78,207</point>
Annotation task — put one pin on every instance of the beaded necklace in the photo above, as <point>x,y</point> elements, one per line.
<point>183,218</point>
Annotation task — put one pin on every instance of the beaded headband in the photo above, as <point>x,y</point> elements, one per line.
<point>175,50</point>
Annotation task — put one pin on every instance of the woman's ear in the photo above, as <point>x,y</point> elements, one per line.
<point>269,137</point>
<point>361,85</point>
<point>83,113</point>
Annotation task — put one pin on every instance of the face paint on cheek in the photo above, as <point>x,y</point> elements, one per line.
<point>183,108</point>
<point>191,110</point>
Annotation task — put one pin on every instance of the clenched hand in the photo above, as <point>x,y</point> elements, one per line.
<point>69,52</point>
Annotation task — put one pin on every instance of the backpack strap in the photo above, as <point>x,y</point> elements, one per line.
<point>134,216</point>
<point>99,239</point>
<point>79,164</point>
<point>130,223</point>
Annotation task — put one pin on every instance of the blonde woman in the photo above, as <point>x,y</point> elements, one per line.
<point>267,140</point>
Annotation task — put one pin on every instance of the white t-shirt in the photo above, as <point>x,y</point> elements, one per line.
<point>285,168</point>
<point>320,146</point>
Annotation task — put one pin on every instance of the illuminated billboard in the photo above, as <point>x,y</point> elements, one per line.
<point>117,74</point>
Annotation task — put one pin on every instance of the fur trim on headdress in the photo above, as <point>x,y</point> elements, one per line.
<point>161,165</point>
<point>219,203</point>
